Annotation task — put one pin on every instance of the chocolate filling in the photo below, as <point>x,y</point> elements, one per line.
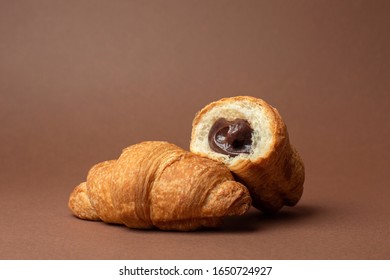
<point>231,137</point>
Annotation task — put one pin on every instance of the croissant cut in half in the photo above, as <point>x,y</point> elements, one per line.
<point>251,139</point>
<point>157,184</point>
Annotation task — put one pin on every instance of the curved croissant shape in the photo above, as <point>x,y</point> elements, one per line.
<point>250,137</point>
<point>157,184</point>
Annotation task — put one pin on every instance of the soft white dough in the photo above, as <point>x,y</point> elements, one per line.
<point>262,136</point>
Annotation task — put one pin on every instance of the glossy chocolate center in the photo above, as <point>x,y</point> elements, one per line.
<point>231,137</point>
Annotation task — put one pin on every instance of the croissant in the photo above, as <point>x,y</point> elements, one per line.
<point>157,184</point>
<point>250,137</point>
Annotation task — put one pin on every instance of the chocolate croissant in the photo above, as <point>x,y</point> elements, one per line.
<point>157,184</point>
<point>250,137</point>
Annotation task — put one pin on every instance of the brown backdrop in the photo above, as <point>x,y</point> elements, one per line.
<point>80,80</point>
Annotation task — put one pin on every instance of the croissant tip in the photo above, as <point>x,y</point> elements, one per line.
<point>240,206</point>
<point>240,198</point>
<point>79,204</point>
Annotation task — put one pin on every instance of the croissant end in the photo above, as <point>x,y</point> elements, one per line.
<point>228,199</point>
<point>79,204</point>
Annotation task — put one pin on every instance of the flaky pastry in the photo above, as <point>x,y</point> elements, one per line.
<point>157,184</point>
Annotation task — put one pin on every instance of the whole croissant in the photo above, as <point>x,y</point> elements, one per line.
<point>157,184</point>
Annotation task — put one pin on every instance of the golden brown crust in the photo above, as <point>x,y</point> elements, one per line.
<point>80,204</point>
<point>191,177</point>
<point>157,184</point>
<point>276,177</point>
<point>100,196</point>
<point>133,177</point>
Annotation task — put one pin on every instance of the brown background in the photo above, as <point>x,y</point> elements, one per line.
<point>80,80</point>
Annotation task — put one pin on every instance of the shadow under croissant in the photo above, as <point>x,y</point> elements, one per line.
<point>255,220</point>
<point>252,221</point>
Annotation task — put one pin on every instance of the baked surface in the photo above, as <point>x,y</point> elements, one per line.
<point>157,184</point>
